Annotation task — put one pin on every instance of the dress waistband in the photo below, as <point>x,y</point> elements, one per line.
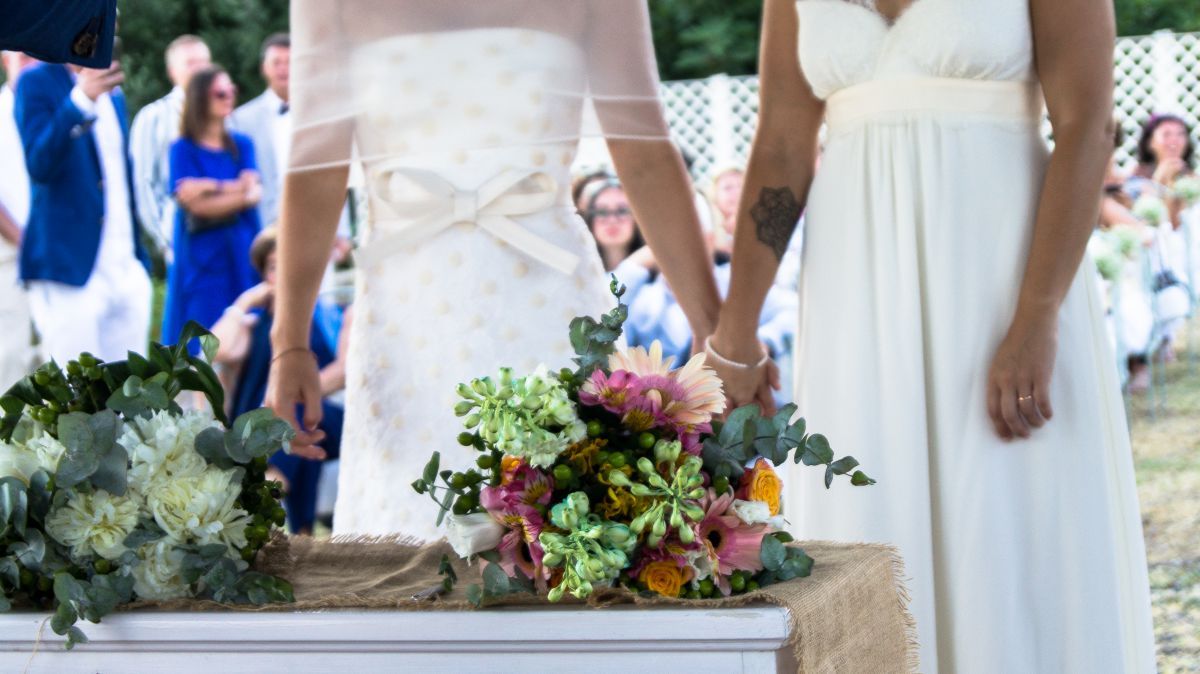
<point>1001,100</point>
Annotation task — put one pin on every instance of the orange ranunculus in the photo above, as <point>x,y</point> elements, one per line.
<point>761,483</point>
<point>508,468</point>
<point>665,577</point>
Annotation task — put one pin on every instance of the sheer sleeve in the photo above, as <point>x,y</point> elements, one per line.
<point>623,84</point>
<point>321,105</point>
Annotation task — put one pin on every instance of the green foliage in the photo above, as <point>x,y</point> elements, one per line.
<point>1142,17</point>
<point>698,38</point>
<point>594,341</point>
<point>746,434</point>
<point>233,29</point>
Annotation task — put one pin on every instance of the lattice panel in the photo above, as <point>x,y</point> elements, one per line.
<point>713,120</point>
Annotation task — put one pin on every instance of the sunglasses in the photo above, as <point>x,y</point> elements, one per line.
<point>599,213</point>
<point>224,94</point>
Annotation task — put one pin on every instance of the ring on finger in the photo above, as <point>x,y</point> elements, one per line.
<point>1024,398</point>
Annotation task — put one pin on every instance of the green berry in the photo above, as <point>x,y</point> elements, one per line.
<point>617,460</point>
<point>26,577</point>
<point>562,474</point>
<point>463,505</point>
<point>595,429</point>
<point>692,594</point>
<point>42,379</point>
<point>751,585</point>
<point>103,566</point>
<point>738,582</point>
<point>707,588</point>
<point>44,584</point>
<point>721,484</point>
<point>486,461</point>
<point>646,440</point>
<point>457,481</point>
<point>248,554</point>
<point>466,439</point>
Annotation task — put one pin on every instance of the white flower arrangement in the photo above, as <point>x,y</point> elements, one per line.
<point>110,492</point>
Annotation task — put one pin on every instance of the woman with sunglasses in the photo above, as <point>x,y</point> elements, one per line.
<point>217,186</point>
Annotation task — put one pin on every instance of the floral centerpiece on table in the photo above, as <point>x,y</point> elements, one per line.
<point>110,492</point>
<point>618,473</point>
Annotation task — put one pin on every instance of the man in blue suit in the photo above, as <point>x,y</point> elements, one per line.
<point>60,31</point>
<point>81,256</point>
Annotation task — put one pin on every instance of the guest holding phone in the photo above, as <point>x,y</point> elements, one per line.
<point>217,188</point>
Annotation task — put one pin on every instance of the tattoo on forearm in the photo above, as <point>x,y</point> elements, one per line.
<point>775,215</point>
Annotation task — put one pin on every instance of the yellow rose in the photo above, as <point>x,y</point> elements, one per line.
<point>665,577</point>
<point>761,483</point>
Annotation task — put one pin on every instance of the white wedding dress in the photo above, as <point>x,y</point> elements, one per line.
<point>466,117</point>
<point>1025,557</point>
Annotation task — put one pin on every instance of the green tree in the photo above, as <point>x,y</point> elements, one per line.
<point>1142,17</point>
<point>233,29</point>
<point>698,38</point>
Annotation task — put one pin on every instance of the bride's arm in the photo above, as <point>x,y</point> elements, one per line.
<point>1073,43</point>
<point>660,193</point>
<point>781,168</point>
<point>311,208</point>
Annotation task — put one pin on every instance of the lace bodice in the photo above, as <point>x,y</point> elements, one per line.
<point>847,42</point>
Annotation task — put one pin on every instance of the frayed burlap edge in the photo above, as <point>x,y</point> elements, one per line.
<point>383,572</point>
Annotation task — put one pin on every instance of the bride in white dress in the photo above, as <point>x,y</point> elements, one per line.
<point>950,338</point>
<point>465,116</point>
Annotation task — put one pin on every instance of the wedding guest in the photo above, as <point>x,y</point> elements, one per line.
<point>724,194</point>
<point>1165,154</point>
<point>244,358</point>
<point>611,222</point>
<point>16,350</point>
<point>81,254</point>
<point>154,129</point>
<point>268,122</point>
<point>216,184</point>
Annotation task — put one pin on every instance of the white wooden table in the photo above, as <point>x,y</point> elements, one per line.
<point>620,639</point>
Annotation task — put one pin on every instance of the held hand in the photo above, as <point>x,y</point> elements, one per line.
<point>95,83</point>
<point>1019,380</point>
<point>744,385</point>
<point>293,381</point>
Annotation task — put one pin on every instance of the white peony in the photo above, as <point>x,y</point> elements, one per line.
<point>474,533</point>
<point>94,523</point>
<point>16,461</point>
<point>757,512</point>
<point>160,573</point>
<point>163,447</point>
<point>200,509</point>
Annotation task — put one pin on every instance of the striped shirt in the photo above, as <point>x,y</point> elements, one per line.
<point>155,127</point>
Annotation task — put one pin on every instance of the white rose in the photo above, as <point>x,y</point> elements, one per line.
<point>159,575</point>
<point>163,447</point>
<point>18,462</point>
<point>94,523</point>
<point>200,509</point>
<point>756,512</point>
<point>474,533</point>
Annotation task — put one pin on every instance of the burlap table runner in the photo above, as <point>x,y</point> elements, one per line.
<point>850,615</point>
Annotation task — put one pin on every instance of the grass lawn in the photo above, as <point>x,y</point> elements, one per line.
<point>1167,454</point>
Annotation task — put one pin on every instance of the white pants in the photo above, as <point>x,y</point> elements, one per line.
<point>17,356</point>
<point>107,318</point>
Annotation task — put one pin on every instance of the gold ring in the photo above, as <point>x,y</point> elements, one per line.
<point>1022,399</point>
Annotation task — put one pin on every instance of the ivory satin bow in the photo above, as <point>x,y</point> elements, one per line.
<point>430,204</point>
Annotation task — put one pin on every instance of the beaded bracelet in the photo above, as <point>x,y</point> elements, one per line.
<point>708,348</point>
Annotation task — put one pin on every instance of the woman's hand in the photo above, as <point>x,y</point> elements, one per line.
<point>251,186</point>
<point>744,385</point>
<point>293,381</point>
<point>1168,170</point>
<point>255,297</point>
<point>1019,381</point>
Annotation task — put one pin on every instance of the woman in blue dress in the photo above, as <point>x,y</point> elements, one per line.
<point>218,188</point>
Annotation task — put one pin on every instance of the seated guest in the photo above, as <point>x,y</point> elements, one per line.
<point>216,184</point>
<point>244,358</point>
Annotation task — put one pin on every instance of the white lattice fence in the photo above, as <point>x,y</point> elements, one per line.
<point>713,119</point>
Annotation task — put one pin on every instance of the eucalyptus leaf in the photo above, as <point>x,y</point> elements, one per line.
<point>844,465</point>
<point>772,553</point>
<point>10,571</point>
<point>735,424</point>
<point>475,595</point>
<point>495,581</point>
<point>80,460</point>
<point>431,468</point>
<point>64,617</point>
<point>32,552</point>
<point>860,479</point>
<point>112,473</point>
<point>147,531</point>
<point>14,506</point>
<point>5,605</point>
<point>75,636</point>
<point>210,444</point>
<point>783,417</point>
<point>828,476</point>
<point>817,451</point>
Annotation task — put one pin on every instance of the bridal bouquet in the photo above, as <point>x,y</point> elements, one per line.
<point>109,491</point>
<point>617,473</point>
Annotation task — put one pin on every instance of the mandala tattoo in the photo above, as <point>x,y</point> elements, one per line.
<point>776,214</point>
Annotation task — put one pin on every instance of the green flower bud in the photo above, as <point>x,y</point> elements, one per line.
<point>595,429</point>
<point>464,408</point>
<point>472,421</point>
<point>686,535</point>
<point>466,439</point>
<point>486,461</point>
<point>619,479</point>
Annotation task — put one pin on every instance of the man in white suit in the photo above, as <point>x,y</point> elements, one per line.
<point>268,122</point>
